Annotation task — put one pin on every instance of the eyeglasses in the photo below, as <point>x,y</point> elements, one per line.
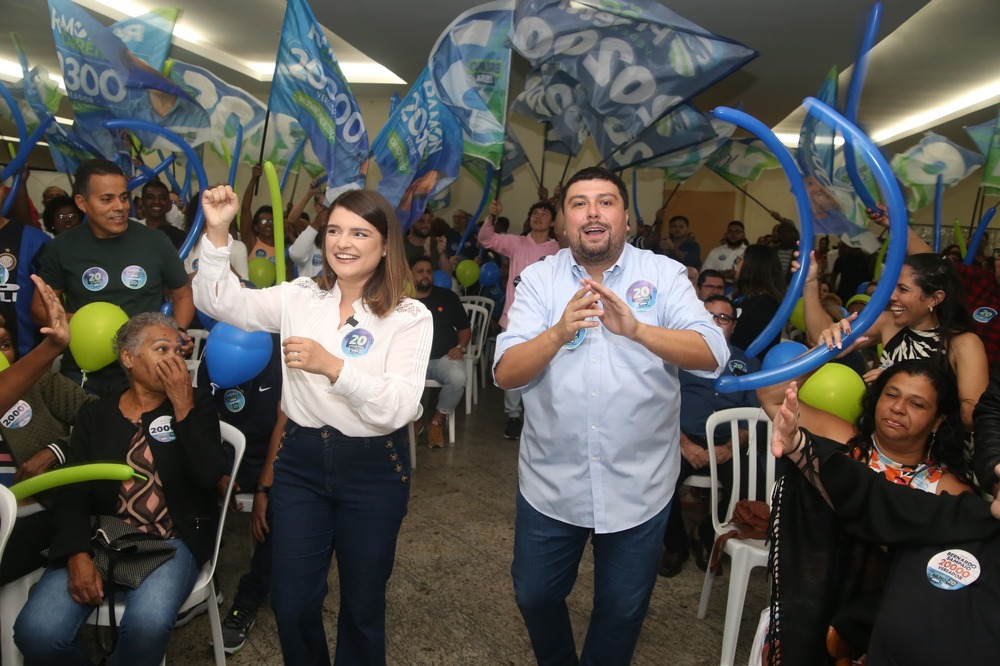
<point>722,319</point>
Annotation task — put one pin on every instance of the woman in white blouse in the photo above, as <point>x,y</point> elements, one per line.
<point>355,357</point>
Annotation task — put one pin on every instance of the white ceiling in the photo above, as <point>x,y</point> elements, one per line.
<point>934,50</point>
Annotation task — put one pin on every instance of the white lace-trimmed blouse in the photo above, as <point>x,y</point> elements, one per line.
<point>385,358</point>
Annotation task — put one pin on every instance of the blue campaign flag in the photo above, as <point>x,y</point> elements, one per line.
<point>105,80</point>
<point>148,36</point>
<point>309,86</point>
<point>680,165</point>
<point>550,96</point>
<point>67,147</point>
<point>816,149</point>
<point>418,152</point>
<point>514,157</point>
<point>636,59</point>
<point>227,106</point>
<point>470,66</point>
<point>935,156</point>
<point>682,128</point>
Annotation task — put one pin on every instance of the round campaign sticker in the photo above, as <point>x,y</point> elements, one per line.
<point>4,274</point>
<point>357,342</point>
<point>260,253</point>
<point>134,277</point>
<point>194,265</point>
<point>737,367</point>
<point>162,429</point>
<point>577,339</point>
<point>18,416</point>
<point>641,295</point>
<point>95,279</point>
<point>235,400</point>
<point>984,314</point>
<point>317,260</point>
<point>953,569</point>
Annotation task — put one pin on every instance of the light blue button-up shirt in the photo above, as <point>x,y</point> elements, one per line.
<point>599,447</point>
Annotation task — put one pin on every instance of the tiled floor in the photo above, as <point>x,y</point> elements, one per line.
<point>451,601</point>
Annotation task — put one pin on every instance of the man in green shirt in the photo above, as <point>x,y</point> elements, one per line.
<point>113,260</point>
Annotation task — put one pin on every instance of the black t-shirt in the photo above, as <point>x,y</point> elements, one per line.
<point>756,313</point>
<point>449,318</point>
<point>252,407</point>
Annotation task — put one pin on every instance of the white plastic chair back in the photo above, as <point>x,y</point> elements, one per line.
<point>482,301</point>
<point>198,337</point>
<point>746,418</point>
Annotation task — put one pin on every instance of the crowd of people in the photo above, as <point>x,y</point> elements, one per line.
<point>608,347</point>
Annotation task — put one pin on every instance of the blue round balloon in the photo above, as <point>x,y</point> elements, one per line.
<point>442,279</point>
<point>782,353</point>
<point>489,274</point>
<point>862,288</point>
<point>235,356</point>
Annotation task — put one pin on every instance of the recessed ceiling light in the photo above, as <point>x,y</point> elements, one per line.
<point>973,100</point>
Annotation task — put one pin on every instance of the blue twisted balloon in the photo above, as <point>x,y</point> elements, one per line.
<point>193,162</point>
<point>791,169</point>
<point>149,174</point>
<point>893,264</point>
<point>479,211</point>
<point>854,101</point>
<point>291,162</point>
<point>938,191</point>
<point>977,237</point>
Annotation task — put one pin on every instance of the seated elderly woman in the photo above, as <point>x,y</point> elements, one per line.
<point>942,594</point>
<point>169,435</point>
<point>909,432</point>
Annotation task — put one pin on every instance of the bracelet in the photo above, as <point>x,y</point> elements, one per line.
<point>261,488</point>
<point>802,443</point>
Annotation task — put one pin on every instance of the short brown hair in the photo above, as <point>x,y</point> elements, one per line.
<point>386,287</point>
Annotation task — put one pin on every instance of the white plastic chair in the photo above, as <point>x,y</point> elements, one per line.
<point>412,433</point>
<point>198,336</point>
<point>744,554</point>
<point>479,319</point>
<point>204,587</point>
<point>14,594</point>
<point>485,356</point>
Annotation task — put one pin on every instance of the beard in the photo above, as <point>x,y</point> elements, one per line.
<point>423,285</point>
<point>607,251</point>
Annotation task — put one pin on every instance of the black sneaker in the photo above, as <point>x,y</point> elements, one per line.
<point>235,628</point>
<point>513,429</point>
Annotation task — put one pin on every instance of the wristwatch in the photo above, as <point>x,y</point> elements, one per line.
<point>261,488</point>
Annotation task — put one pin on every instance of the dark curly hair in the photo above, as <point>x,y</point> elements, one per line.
<point>947,445</point>
<point>932,273</point>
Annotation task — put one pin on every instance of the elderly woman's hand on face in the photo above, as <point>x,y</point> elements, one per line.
<point>173,372</point>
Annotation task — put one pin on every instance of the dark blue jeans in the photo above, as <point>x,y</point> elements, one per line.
<point>547,555</point>
<point>342,496</point>
<point>255,584</point>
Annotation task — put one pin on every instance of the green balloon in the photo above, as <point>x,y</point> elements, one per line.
<point>92,332</point>
<point>835,388</point>
<point>798,318</point>
<point>74,474</point>
<point>467,273</point>
<point>261,272</point>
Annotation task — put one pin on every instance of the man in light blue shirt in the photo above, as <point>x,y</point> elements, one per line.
<point>596,336</point>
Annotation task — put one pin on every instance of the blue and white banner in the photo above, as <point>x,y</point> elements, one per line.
<point>514,157</point>
<point>986,136</point>
<point>309,86</point>
<point>105,80</point>
<point>470,66</point>
<point>835,208</point>
<point>550,96</point>
<point>683,127</point>
<point>742,161</point>
<point>148,36</point>
<point>418,152</point>
<point>41,98</point>
<point>682,164</point>
<point>919,167</point>
<point>636,59</point>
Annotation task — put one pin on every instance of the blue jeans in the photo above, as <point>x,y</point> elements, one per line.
<point>343,496</point>
<point>46,630</point>
<point>547,555</point>
<point>452,377</point>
